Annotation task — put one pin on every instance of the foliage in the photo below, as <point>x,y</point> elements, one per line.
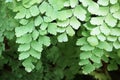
<point>59,38</point>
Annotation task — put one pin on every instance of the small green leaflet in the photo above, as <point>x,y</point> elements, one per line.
<point>34,10</point>
<point>105,29</point>
<point>62,37</point>
<point>84,62</point>
<point>64,14</point>
<point>28,14</point>
<point>88,68</point>
<point>34,53</point>
<point>85,55</point>
<point>23,21</point>
<point>81,41</point>
<point>95,59</point>
<point>28,65</point>
<point>87,47</point>
<point>35,34</point>
<point>19,31</point>
<point>21,14</point>
<point>43,32</point>
<point>117,15</point>
<point>52,28</point>
<point>110,20</point>
<point>36,46</point>
<point>24,39</point>
<point>93,41</point>
<point>116,45</point>
<point>38,20</point>
<point>111,38</point>
<point>113,1</point>
<point>95,31</point>
<point>63,23</point>
<point>86,3</point>
<point>105,45</point>
<point>45,40</point>
<point>75,23</point>
<point>93,8</point>
<point>60,29</point>
<point>103,11</point>
<point>70,31</point>
<point>24,47</point>
<point>80,13</point>
<point>115,32</point>
<point>43,26</point>
<point>103,2</point>
<point>97,20</point>
<point>73,3</point>
<point>98,52</point>
<point>23,55</point>
<point>114,8</point>
<point>43,7</point>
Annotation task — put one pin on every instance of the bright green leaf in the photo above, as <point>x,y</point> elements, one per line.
<point>62,38</point>
<point>93,41</point>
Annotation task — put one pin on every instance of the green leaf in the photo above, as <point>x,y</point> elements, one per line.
<point>36,46</point>
<point>23,55</point>
<point>43,26</point>
<point>43,32</point>
<point>80,13</point>
<point>62,38</point>
<point>93,8</point>
<point>34,10</point>
<point>103,2</point>
<point>84,62</point>
<point>105,29</point>
<point>88,68</point>
<point>116,45</point>
<point>87,47</point>
<point>95,59</point>
<point>61,29</point>
<point>70,31</point>
<point>101,37</point>
<point>22,30</point>
<point>113,1</point>
<point>38,20</point>
<point>105,45</point>
<point>103,11</point>
<point>86,3</point>
<point>43,7</point>
<point>52,28</point>
<point>73,3</point>
<point>23,21</point>
<point>95,31</point>
<point>114,8</point>
<point>63,23</point>
<point>93,41</point>
<point>24,39</point>
<point>97,20</point>
<point>34,53</point>
<point>28,65</point>
<point>110,20</point>
<point>57,4</point>
<point>111,38</point>
<point>75,23</point>
<point>20,14</point>
<point>35,34</point>
<point>98,52</point>
<point>64,14</point>
<point>45,40</point>
<point>24,47</point>
<point>117,15</point>
<point>81,41</point>
<point>28,14</point>
<point>85,55</point>
<point>115,32</point>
